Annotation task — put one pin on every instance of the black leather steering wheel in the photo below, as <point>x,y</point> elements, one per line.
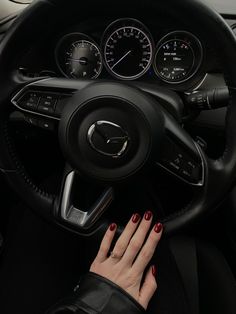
<point>111,131</point>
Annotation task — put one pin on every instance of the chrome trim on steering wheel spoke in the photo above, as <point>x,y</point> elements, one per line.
<point>77,217</point>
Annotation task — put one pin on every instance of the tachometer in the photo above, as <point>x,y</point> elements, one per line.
<point>78,56</point>
<point>178,57</point>
<point>128,49</point>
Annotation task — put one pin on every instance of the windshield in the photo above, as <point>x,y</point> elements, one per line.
<point>223,6</point>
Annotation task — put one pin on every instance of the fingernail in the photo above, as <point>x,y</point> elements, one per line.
<point>154,270</point>
<point>135,218</point>
<point>148,215</point>
<point>112,227</point>
<point>158,227</point>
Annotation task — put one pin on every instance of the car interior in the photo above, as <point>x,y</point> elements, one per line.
<point>107,109</point>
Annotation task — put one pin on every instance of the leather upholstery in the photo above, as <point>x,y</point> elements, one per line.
<point>98,295</point>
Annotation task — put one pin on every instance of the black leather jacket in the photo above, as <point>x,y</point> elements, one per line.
<point>98,295</point>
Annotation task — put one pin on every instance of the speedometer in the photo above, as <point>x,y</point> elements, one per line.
<point>128,49</point>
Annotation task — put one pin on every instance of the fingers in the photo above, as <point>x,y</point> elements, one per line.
<point>106,243</point>
<point>138,239</point>
<point>148,249</point>
<point>124,239</point>
<point>148,288</point>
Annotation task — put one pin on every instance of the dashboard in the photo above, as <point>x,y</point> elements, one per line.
<point>127,51</point>
<point>174,54</point>
<point>197,68</point>
<point>124,49</point>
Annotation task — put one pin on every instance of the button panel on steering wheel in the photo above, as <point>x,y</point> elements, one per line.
<point>38,102</point>
<point>181,163</point>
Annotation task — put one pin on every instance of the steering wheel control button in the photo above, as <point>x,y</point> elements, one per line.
<point>30,101</point>
<point>108,138</point>
<point>45,109</point>
<point>39,102</point>
<point>47,104</point>
<point>31,120</point>
<point>48,101</point>
<point>180,163</point>
<point>46,125</point>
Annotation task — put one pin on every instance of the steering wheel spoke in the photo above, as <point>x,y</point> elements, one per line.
<point>76,215</point>
<point>180,156</point>
<point>46,98</point>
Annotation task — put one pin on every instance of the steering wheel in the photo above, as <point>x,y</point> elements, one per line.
<point>111,131</point>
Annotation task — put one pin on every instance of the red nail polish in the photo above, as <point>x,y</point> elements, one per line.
<point>148,215</point>
<point>112,227</point>
<point>135,218</point>
<point>154,270</point>
<point>158,227</point>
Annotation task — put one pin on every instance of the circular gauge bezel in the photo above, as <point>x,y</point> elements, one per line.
<point>118,25</point>
<point>77,37</point>
<point>179,35</point>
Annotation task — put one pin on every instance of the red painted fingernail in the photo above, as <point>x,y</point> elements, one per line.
<point>158,227</point>
<point>135,218</point>
<point>154,270</point>
<point>112,227</point>
<point>148,215</point>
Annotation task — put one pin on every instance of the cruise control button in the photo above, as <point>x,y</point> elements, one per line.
<point>45,109</point>
<point>30,101</point>
<point>48,101</point>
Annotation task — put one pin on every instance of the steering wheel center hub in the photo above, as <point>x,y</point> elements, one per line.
<point>108,131</point>
<point>108,138</point>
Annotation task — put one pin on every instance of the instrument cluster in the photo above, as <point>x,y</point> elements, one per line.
<point>127,51</point>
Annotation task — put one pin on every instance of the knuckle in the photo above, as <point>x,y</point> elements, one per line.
<point>153,239</point>
<point>146,254</point>
<point>143,228</point>
<point>102,250</point>
<point>135,245</point>
<point>133,278</point>
<point>119,247</point>
<point>107,236</point>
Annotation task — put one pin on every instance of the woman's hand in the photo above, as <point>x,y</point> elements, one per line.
<point>130,256</point>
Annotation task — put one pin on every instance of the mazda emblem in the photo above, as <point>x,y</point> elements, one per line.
<point>108,138</point>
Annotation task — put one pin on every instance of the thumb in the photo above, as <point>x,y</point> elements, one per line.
<point>148,288</point>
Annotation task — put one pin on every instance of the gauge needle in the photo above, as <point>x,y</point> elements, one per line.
<point>127,53</point>
<point>81,61</point>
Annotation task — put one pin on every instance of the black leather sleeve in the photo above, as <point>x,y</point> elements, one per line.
<point>95,295</point>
